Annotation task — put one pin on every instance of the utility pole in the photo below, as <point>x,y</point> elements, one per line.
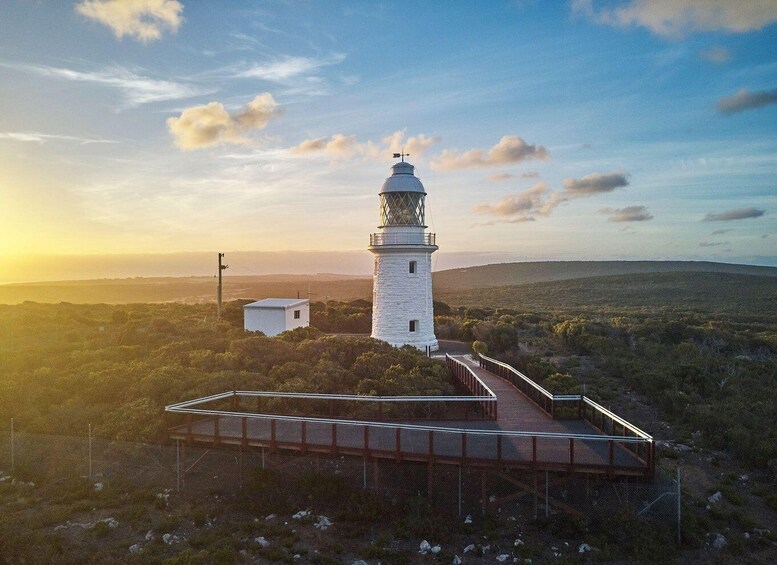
<point>221,268</point>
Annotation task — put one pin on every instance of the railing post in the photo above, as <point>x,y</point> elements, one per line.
<point>272,435</point>
<point>464,445</point>
<point>431,444</point>
<point>366,439</point>
<point>334,439</point>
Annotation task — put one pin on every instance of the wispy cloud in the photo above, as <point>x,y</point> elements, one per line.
<point>143,20</point>
<point>720,232</point>
<point>712,243</point>
<point>538,200</point>
<point>627,214</point>
<point>717,55</point>
<point>37,137</point>
<point>499,177</point>
<point>341,146</point>
<point>595,183</point>
<point>509,150</point>
<point>136,89</point>
<point>211,124</point>
<point>738,214</point>
<point>286,68</point>
<point>746,100</point>
<point>677,18</point>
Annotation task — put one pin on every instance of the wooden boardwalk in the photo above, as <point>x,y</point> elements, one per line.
<point>523,435</point>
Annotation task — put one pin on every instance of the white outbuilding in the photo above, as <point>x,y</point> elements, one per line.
<point>272,316</point>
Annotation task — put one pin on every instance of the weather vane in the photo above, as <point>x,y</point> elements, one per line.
<point>401,154</point>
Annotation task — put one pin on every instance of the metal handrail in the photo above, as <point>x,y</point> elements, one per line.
<point>344,397</point>
<point>526,379</point>
<point>474,375</point>
<point>617,418</point>
<point>402,238</point>
<point>362,423</point>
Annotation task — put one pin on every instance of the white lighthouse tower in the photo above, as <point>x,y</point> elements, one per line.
<point>402,283</point>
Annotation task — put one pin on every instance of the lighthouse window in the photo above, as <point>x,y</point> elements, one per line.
<point>296,314</point>
<point>413,325</point>
<point>412,267</point>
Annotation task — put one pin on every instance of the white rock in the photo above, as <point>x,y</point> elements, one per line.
<point>98,487</point>
<point>584,548</point>
<point>468,519</point>
<point>492,498</point>
<point>297,556</point>
<point>301,514</point>
<point>720,542</point>
<point>502,558</point>
<point>135,548</point>
<point>261,540</point>
<point>436,549</point>
<point>270,517</point>
<point>747,535</point>
<point>456,560</point>
<point>470,547</point>
<point>323,523</point>
<point>149,535</point>
<point>360,562</point>
<point>518,542</point>
<point>424,547</point>
<point>112,522</point>
<point>713,498</point>
<point>486,548</point>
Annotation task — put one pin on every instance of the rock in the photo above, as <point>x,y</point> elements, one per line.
<point>98,487</point>
<point>713,498</point>
<point>744,478</point>
<point>485,549</point>
<point>747,535</point>
<point>492,498</point>
<point>270,517</point>
<point>261,540</point>
<point>424,547</point>
<point>468,519</point>
<point>360,562</point>
<point>135,548</point>
<point>170,539</point>
<point>470,547</point>
<point>297,557</point>
<point>149,535</point>
<point>301,514</point>
<point>502,558</point>
<point>718,541</point>
<point>584,548</point>
<point>112,522</point>
<point>436,549</point>
<point>456,560</point>
<point>323,523</point>
<point>518,542</point>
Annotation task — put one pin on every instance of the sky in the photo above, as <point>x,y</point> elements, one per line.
<point>137,131</point>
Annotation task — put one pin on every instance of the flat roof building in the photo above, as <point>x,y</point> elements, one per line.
<point>272,316</point>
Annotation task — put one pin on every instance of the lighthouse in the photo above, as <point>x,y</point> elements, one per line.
<point>402,312</point>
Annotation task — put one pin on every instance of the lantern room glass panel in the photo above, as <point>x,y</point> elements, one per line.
<point>402,209</point>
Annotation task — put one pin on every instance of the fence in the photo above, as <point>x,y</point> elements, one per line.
<point>453,490</point>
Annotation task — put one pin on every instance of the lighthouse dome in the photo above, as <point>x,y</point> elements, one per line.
<point>402,179</point>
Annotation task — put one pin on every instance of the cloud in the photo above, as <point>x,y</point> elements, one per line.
<point>41,138</point>
<point>341,146</point>
<point>738,214</point>
<point>627,214</point>
<point>143,20</point>
<point>517,207</point>
<point>677,18</point>
<point>211,124</point>
<point>530,175</point>
<point>712,243</point>
<point>594,184</point>
<point>137,89</point>
<point>415,145</point>
<point>286,68</point>
<point>720,232</point>
<point>746,100</point>
<point>499,177</point>
<point>717,55</point>
<point>510,149</point>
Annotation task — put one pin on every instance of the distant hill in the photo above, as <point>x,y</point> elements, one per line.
<point>748,295</point>
<point>535,285</point>
<point>504,274</point>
